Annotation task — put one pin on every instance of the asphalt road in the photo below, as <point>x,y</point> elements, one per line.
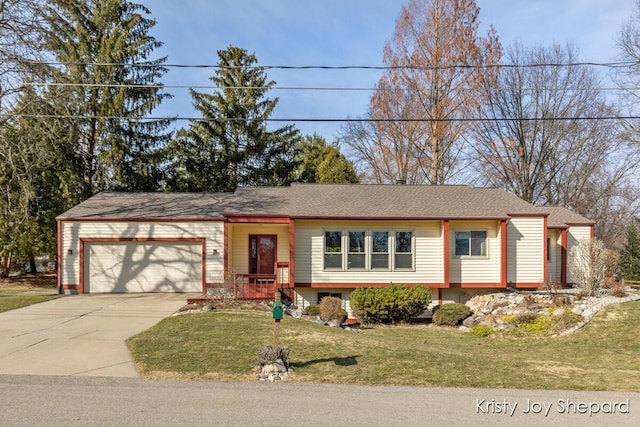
<point>106,401</point>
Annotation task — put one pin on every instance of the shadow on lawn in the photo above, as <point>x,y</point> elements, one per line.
<point>339,361</point>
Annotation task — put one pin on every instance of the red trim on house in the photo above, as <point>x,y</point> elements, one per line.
<point>363,285</point>
<point>401,218</point>
<point>545,263</point>
<point>83,240</point>
<point>141,219</point>
<point>591,232</point>
<point>225,247</point>
<point>503,253</point>
<point>472,285</point>
<point>59,253</point>
<point>563,257</point>
<point>521,215</point>
<point>292,247</point>
<point>447,252</point>
<point>257,219</point>
<point>581,224</point>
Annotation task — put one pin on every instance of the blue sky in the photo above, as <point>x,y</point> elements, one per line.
<point>347,32</point>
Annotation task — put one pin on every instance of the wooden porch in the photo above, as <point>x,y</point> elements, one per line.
<point>260,287</point>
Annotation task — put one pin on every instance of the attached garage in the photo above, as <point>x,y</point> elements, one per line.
<point>143,267</point>
<point>142,242</point>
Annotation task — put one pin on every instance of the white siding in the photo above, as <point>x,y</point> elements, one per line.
<point>307,296</point>
<point>525,250</point>
<point>554,265</point>
<point>476,269</point>
<point>309,252</point>
<point>72,232</point>
<point>575,235</point>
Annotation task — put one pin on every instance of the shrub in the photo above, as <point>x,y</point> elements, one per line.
<point>331,309</point>
<point>481,331</point>
<point>391,304</point>
<point>312,310</point>
<point>451,314</point>
<point>618,290</point>
<point>268,355</point>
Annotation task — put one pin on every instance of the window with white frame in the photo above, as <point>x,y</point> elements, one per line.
<point>333,250</point>
<point>470,243</point>
<point>368,250</point>
<point>379,250</point>
<point>356,256</point>
<point>403,259</point>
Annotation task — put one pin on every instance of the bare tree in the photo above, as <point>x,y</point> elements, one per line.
<point>588,262</point>
<point>543,135</point>
<point>435,59</point>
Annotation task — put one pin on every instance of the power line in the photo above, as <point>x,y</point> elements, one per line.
<point>323,120</point>
<point>290,88</point>
<point>337,67</point>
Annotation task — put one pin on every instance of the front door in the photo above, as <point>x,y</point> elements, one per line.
<point>262,255</point>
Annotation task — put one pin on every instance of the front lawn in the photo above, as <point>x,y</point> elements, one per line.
<point>222,345</point>
<point>12,298</point>
<point>27,289</point>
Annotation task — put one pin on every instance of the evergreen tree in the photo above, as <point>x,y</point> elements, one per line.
<point>104,50</point>
<point>231,146</point>
<point>630,255</point>
<point>324,163</point>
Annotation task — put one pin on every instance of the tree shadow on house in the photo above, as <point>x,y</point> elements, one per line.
<point>338,361</point>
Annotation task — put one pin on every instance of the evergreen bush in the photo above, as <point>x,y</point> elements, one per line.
<point>451,314</point>
<point>391,304</point>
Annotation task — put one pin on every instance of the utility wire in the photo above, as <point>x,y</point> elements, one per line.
<point>326,120</point>
<point>337,67</point>
<point>284,88</point>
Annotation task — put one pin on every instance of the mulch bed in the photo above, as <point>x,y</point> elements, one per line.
<point>40,281</point>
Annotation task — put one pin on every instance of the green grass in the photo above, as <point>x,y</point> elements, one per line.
<point>11,298</point>
<point>222,345</point>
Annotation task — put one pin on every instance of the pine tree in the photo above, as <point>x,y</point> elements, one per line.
<point>630,254</point>
<point>324,163</point>
<point>104,50</point>
<point>231,145</point>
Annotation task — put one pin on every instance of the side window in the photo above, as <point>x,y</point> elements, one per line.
<point>379,250</point>
<point>471,243</point>
<point>356,254</point>
<point>328,294</point>
<point>333,250</point>
<point>403,250</point>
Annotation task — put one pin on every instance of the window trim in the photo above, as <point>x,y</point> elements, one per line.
<point>470,231</point>
<point>363,253</point>
<point>387,253</point>
<point>325,253</point>
<point>412,253</point>
<point>368,249</point>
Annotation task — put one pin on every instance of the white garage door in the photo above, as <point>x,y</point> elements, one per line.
<point>143,267</point>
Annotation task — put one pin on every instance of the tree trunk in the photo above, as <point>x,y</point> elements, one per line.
<point>33,269</point>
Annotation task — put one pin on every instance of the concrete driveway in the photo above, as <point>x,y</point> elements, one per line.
<point>80,334</point>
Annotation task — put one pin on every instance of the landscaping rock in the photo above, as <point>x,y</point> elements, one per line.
<point>489,309</point>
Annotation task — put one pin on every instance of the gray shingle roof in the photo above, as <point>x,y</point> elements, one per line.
<point>378,201</point>
<point>150,206</point>
<point>561,217</point>
<point>320,201</point>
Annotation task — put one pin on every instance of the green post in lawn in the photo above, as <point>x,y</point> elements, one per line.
<point>278,313</point>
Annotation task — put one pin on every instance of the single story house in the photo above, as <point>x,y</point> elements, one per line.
<point>314,240</point>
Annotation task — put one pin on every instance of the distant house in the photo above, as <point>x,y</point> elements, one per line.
<point>314,240</point>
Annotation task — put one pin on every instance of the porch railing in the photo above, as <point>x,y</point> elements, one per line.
<point>262,286</point>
